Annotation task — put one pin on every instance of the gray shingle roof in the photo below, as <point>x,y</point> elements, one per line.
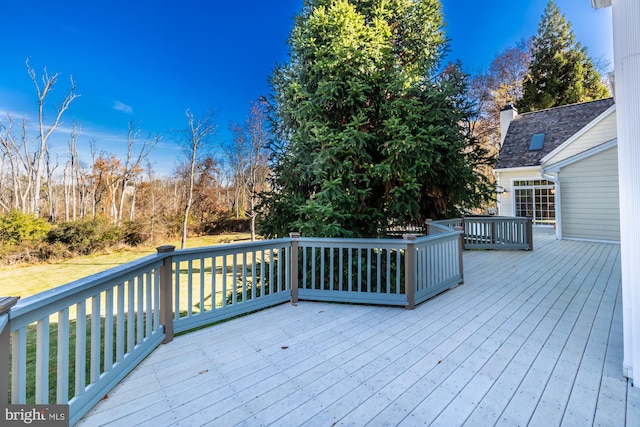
<point>558,124</point>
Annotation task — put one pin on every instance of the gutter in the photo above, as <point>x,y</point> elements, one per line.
<point>557,199</point>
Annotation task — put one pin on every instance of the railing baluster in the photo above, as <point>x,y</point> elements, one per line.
<point>140,314</point>
<point>272,260</point>
<point>281,260</point>
<point>332,284</point>
<point>313,268</point>
<point>398,270</point>
<point>350,277</point>
<point>190,287</point>
<point>388,271</point>
<point>244,276</point>
<point>322,283</point>
<point>62,368</point>
<point>224,280</point>
<point>255,285</point>
<point>203,268</point>
<point>234,277</point>
<point>378,284</point>
<point>120,324</point>
<point>214,287</point>
<point>341,269</point>
<point>131,321</point>
<point>95,339</point>
<point>149,308</point>
<point>156,299</point>
<point>81,348</point>
<point>108,329</point>
<point>176,293</point>
<point>265,286</point>
<point>369,268</point>
<point>359,260</point>
<point>42,361</point>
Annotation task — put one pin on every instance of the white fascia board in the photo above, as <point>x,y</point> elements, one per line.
<point>578,134</point>
<point>555,167</point>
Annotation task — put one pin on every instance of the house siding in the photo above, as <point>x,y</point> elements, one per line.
<point>590,198</point>
<point>603,131</point>
<point>505,179</point>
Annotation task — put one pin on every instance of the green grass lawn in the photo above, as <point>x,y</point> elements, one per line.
<point>23,281</point>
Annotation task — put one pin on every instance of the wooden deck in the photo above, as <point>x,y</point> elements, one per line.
<point>531,338</point>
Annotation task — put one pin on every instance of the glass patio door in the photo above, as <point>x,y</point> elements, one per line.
<point>535,199</point>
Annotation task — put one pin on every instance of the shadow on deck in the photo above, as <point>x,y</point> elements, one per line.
<point>531,338</point>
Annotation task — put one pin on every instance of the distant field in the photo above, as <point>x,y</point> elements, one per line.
<point>24,281</point>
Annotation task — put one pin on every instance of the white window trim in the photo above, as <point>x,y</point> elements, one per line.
<point>533,178</point>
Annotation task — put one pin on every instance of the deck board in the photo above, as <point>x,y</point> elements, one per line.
<point>530,338</point>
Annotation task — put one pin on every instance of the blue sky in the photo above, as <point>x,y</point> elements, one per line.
<point>148,61</point>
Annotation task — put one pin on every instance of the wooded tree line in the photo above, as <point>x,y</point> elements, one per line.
<point>365,129</point>
<point>212,181</point>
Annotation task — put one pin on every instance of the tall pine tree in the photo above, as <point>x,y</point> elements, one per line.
<point>560,72</point>
<point>371,134</point>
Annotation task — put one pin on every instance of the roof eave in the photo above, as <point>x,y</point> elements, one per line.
<point>599,4</point>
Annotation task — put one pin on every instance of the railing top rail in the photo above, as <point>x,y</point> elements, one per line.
<point>374,242</point>
<point>441,226</point>
<point>364,242</point>
<point>230,248</point>
<point>482,217</point>
<point>53,300</point>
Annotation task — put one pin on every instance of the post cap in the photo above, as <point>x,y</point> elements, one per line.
<point>165,248</point>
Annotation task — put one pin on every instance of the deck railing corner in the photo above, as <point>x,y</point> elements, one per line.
<point>166,297</point>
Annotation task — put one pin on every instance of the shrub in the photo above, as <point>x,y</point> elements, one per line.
<point>86,236</point>
<point>17,227</point>
<point>134,233</point>
<point>227,225</point>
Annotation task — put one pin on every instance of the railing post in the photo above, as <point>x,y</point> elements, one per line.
<point>294,267</point>
<point>460,250</point>
<point>494,238</point>
<point>5,305</point>
<point>427,226</point>
<point>530,233</point>
<point>410,270</point>
<point>166,292</point>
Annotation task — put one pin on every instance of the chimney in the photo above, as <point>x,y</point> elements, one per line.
<point>507,114</point>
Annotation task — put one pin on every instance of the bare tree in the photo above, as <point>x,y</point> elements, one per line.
<point>17,150</point>
<point>71,176</point>
<point>45,130</point>
<point>133,164</point>
<point>196,138</point>
<point>249,159</point>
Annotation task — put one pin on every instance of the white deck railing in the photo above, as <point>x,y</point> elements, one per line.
<point>90,333</point>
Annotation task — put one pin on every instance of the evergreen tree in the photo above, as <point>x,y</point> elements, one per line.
<point>369,134</point>
<point>560,72</point>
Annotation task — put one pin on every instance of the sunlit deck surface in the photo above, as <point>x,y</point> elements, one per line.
<point>530,338</point>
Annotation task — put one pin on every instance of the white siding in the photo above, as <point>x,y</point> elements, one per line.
<point>603,131</point>
<point>505,180</point>
<point>590,207</point>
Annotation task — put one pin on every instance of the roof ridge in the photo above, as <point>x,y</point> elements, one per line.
<point>565,106</point>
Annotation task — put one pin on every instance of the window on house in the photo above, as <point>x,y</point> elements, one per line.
<point>535,198</point>
<point>537,142</point>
